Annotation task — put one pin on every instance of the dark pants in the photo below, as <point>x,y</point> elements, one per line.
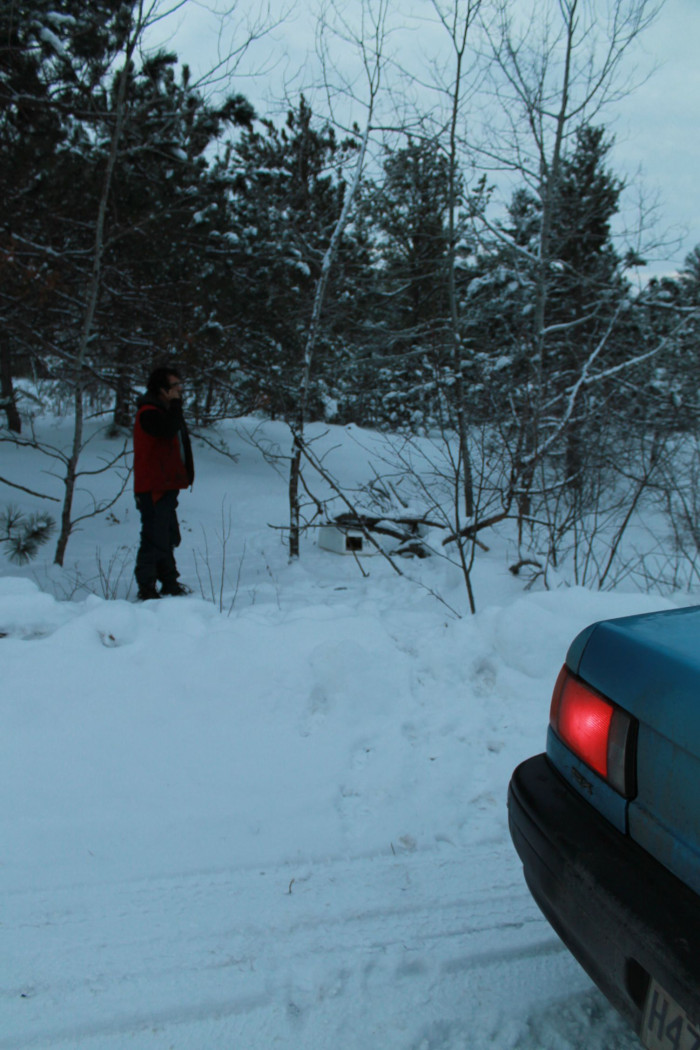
<point>160,534</point>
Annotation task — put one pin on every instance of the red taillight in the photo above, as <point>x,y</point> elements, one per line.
<point>596,730</point>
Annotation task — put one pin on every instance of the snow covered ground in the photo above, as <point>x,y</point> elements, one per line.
<point>274,819</point>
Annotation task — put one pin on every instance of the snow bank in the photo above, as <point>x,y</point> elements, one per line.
<point>285,826</point>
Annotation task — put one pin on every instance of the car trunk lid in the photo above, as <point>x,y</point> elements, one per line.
<point>650,666</point>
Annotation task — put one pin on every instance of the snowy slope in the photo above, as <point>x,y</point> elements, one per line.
<point>276,819</point>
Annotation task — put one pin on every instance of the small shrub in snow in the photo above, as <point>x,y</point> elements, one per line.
<point>22,535</point>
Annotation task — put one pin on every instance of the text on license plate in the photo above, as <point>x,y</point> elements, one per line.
<point>665,1025</point>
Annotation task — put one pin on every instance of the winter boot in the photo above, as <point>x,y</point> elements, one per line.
<point>147,593</point>
<point>174,589</point>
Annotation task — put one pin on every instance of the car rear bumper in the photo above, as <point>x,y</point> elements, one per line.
<point>621,914</point>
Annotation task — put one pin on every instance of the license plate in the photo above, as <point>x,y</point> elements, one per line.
<point>666,1025</point>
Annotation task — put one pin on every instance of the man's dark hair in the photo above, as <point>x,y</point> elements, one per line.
<point>159,379</point>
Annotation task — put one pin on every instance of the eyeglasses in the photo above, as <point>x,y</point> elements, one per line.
<point>171,386</point>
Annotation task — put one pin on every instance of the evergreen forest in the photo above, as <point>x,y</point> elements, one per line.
<point>308,272</point>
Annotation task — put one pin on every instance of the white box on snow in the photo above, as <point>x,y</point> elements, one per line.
<point>343,539</point>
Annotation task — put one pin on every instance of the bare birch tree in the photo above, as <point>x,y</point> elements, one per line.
<point>442,119</point>
<point>552,72</point>
<point>458,23</point>
<point>368,43</point>
<point>93,288</point>
<point>145,15</point>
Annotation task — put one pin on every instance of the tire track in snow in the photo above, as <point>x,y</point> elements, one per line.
<point>252,945</point>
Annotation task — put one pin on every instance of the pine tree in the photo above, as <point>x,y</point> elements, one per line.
<point>409,329</point>
<point>158,298</point>
<point>105,174</point>
<point>61,95</point>
<point>289,191</point>
<point>21,535</point>
<point>586,289</point>
<point>584,292</point>
<point>51,56</point>
<point>668,314</point>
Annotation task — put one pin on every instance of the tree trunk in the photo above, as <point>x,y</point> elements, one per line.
<point>122,400</point>
<point>314,325</point>
<point>7,391</point>
<point>294,509</point>
<point>465,466</point>
<point>70,478</point>
<point>93,292</point>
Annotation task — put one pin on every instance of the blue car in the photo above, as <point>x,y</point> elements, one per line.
<point>607,822</point>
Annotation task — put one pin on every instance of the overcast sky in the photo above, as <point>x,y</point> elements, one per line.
<point>656,128</point>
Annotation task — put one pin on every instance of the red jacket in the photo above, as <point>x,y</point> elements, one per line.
<point>162,451</point>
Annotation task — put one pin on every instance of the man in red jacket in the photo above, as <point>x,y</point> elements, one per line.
<point>162,466</point>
